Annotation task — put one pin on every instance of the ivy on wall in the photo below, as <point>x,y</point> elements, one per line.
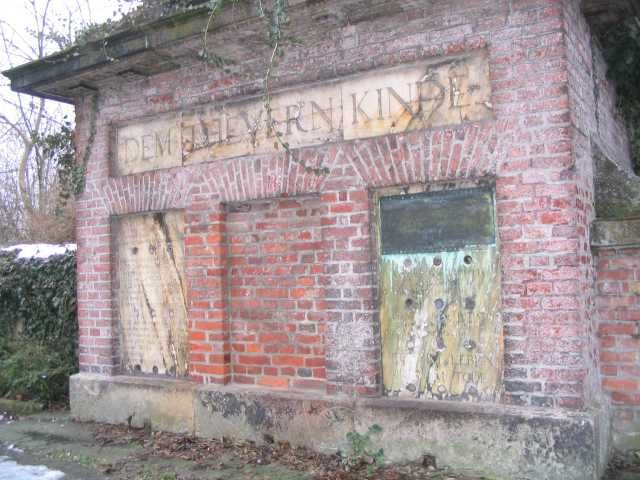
<point>38,328</point>
<point>59,146</point>
<point>275,18</point>
<point>622,52</point>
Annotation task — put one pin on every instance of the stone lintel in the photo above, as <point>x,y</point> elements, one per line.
<point>617,191</point>
<point>615,233</point>
<point>498,441</point>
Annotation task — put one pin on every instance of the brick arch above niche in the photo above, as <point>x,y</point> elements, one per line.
<point>152,191</point>
<point>253,178</point>
<point>468,151</point>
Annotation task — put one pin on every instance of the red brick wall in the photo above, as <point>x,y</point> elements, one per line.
<point>583,126</point>
<point>276,293</point>
<point>531,149</point>
<point>596,123</point>
<point>618,303</point>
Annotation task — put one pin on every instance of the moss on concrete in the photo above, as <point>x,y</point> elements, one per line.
<point>617,191</point>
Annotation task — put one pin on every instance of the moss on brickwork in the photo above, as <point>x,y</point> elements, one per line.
<point>617,191</point>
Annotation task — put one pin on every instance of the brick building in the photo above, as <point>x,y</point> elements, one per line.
<point>402,236</point>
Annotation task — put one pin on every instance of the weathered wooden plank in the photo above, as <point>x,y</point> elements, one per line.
<point>150,292</point>
<point>440,295</point>
<point>441,326</point>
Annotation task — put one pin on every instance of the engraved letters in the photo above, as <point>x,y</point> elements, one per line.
<point>444,91</point>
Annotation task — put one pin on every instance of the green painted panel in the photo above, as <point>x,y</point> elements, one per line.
<point>441,326</point>
<point>437,221</point>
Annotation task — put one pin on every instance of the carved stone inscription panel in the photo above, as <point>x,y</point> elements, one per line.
<point>444,91</point>
<point>152,145</point>
<point>149,293</point>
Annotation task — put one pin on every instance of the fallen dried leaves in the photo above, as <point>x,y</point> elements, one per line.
<point>205,451</point>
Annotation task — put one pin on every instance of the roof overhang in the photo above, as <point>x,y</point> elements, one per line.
<point>70,73</point>
<point>147,49</point>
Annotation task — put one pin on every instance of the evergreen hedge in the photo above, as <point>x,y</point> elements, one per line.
<point>38,328</point>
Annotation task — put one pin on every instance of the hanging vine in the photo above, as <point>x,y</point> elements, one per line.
<point>215,7</point>
<point>276,19</point>
<point>60,147</point>
<point>71,171</point>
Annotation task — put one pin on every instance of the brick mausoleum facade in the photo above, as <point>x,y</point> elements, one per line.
<point>421,259</point>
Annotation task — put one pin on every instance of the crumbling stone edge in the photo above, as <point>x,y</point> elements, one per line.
<point>499,441</point>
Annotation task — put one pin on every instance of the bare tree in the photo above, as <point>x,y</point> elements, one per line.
<point>30,205</point>
<point>11,219</point>
<point>33,209</point>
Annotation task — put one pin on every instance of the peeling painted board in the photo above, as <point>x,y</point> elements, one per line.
<point>150,292</point>
<point>441,326</point>
<point>437,221</point>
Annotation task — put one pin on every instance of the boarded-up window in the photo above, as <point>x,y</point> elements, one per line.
<point>149,292</point>
<point>440,296</point>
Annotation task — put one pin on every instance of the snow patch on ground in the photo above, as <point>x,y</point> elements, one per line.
<point>10,470</point>
<point>40,250</point>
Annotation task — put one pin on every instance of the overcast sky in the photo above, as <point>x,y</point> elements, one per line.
<point>18,19</point>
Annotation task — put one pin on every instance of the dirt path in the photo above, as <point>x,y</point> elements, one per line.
<point>87,451</point>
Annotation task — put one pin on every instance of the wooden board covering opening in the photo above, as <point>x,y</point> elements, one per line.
<point>441,326</point>
<point>150,293</point>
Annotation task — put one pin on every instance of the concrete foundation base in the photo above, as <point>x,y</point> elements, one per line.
<point>492,440</point>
